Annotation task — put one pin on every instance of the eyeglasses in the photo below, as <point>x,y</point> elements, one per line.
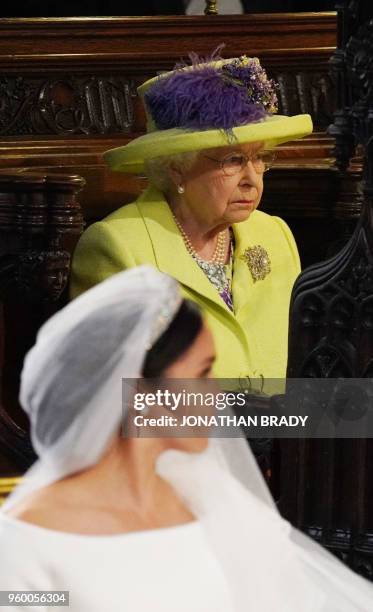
<point>234,163</point>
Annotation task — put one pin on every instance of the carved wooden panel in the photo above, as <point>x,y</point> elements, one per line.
<point>40,220</point>
<point>66,105</point>
<point>326,484</point>
<point>307,92</point>
<point>95,104</point>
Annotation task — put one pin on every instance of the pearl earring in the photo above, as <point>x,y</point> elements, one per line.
<point>180,189</point>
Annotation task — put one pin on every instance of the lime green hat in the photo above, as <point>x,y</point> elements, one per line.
<point>204,106</point>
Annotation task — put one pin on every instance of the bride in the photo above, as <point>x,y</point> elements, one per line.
<point>147,524</point>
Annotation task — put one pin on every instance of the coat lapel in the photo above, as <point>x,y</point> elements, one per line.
<point>247,293</point>
<point>242,282</point>
<point>169,249</point>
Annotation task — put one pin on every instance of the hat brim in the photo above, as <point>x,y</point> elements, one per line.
<point>272,131</point>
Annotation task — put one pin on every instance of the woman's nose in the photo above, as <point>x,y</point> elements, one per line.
<point>250,174</point>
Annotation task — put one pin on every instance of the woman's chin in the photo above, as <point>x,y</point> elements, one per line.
<point>240,213</point>
<point>191,445</point>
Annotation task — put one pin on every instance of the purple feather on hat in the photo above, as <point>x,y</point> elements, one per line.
<point>212,97</point>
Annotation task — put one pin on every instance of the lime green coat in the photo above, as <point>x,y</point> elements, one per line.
<point>252,341</point>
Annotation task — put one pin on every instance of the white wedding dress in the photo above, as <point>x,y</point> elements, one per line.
<point>159,570</point>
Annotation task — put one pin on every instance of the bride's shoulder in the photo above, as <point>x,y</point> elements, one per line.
<point>49,507</point>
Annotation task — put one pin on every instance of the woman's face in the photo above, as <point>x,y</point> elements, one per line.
<point>214,197</point>
<point>197,360</point>
<point>196,363</point>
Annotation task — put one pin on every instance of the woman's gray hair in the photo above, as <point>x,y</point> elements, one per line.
<point>158,169</point>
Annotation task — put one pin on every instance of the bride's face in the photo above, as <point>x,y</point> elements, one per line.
<point>197,360</point>
<point>195,363</point>
<point>187,377</point>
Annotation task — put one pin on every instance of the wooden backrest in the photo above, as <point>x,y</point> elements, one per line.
<point>326,483</point>
<point>40,221</point>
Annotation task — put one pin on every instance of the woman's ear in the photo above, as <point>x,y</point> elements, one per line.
<point>176,175</point>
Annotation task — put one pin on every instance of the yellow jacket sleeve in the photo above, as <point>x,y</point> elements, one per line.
<point>99,253</point>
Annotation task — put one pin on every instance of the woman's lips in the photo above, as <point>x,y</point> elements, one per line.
<point>244,203</point>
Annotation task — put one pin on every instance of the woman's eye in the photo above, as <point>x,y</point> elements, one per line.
<point>235,160</point>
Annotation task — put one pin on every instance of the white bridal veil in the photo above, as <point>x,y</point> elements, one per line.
<point>71,389</point>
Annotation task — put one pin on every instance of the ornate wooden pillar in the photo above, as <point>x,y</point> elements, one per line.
<point>40,220</point>
<point>326,485</point>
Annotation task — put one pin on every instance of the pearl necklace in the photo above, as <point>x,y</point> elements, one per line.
<point>215,268</point>
<point>218,256</point>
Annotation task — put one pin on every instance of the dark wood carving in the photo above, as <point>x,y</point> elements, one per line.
<point>64,105</point>
<point>326,484</point>
<point>307,92</point>
<point>40,219</point>
<point>90,105</point>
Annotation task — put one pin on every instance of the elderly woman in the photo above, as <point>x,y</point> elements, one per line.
<point>162,523</point>
<point>211,135</point>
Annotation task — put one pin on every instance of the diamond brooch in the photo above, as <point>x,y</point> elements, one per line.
<point>258,262</point>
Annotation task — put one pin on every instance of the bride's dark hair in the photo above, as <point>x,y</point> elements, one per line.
<point>178,337</point>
